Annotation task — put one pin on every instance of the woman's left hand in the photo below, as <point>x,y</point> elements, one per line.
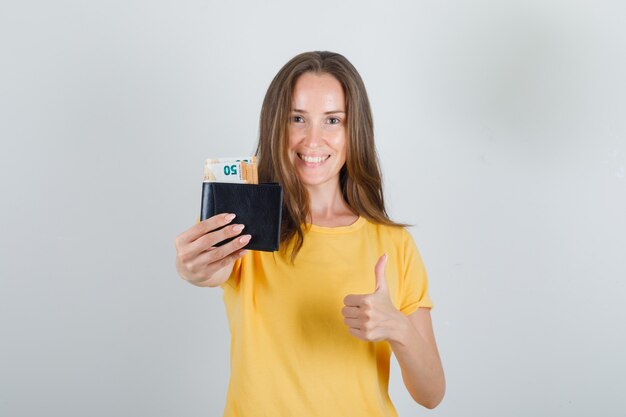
<point>373,317</point>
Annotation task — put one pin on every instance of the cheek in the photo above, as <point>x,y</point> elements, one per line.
<point>291,150</point>
<point>291,142</point>
<point>340,144</point>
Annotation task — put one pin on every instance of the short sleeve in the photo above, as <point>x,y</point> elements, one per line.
<point>414,280</point>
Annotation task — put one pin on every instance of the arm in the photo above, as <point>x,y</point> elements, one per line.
<point>373,317</point>
<point>413,343</point>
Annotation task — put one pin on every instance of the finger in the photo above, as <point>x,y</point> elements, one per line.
<point>205,226</point>
<point>353,300</point>
<point>208,259</point>
<point>357,333</point>
<point>203,269</point>
<point>379,271</point>
<point>354,323</point>
<point>227,260</point>
<point>351,312</point>
<point>210,239</point>
<point>219,253</point>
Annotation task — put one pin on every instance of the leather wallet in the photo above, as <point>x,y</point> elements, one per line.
<point>257,206</point>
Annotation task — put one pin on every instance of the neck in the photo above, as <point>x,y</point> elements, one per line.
<point>327,206</point>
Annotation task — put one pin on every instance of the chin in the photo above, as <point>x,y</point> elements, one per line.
<point>310,181</point>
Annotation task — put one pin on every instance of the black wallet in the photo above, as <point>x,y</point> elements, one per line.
<point>257,206</point>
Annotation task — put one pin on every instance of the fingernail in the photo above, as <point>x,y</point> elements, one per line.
<point>229,217</point>
<point>244,238</point>
<point>238,228</point>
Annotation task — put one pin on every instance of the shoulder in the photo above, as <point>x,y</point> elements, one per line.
<point>398,235</point>
<point>388,229</point>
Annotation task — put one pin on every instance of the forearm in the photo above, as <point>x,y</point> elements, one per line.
<point>419,361</point>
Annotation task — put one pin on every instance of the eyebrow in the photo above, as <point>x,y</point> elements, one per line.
<point>328,112</point>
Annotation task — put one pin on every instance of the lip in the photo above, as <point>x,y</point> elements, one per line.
<point>325,157</point>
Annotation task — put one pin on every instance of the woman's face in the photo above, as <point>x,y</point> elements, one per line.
<point>317,129</point>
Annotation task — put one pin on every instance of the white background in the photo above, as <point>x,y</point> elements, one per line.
<point>502,137</point>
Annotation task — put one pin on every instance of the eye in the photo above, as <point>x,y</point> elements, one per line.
<point>333,121</point>
<point>297,119</point>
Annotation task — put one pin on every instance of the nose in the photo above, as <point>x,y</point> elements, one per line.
<point>313,136</point>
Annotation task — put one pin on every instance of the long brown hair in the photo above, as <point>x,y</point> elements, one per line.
<point>360,179</point>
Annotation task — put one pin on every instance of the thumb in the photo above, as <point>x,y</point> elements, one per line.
<point>379,270</point>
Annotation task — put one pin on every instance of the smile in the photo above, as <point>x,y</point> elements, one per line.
<point>313,159</point>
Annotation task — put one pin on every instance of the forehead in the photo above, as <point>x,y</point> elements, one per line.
<point>318,92</point>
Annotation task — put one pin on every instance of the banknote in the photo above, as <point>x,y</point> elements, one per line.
<point>236,170</point>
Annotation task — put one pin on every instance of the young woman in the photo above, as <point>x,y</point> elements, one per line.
<point>313,325</point>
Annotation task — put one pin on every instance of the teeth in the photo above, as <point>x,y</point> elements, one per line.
<point>313,159</point>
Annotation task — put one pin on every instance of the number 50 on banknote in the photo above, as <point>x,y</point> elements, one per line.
<point>236,170</point>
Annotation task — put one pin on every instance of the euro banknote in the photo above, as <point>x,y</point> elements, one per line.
<point>236,170</point>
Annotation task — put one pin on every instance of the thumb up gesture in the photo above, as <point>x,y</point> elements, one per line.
<point>372,317</point>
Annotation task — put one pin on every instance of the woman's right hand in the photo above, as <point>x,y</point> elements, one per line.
<point>199,261</point>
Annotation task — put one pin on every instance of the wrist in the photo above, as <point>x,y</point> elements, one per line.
<point>401,331</point>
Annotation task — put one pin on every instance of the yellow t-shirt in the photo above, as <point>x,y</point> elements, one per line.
<point>291,353</point>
